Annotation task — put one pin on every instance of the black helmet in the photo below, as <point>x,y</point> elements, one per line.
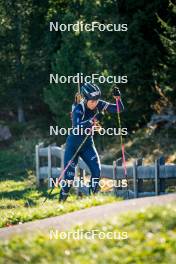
<point>90,91</point>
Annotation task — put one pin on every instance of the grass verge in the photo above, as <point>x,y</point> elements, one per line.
<point>151,239</point>
<point>21,202</point>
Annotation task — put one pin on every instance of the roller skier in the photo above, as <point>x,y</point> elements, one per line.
<point>85,115</point>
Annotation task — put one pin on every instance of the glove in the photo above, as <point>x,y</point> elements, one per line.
<point>78,98</point>
<point>116,91</point>
<point>96,125</point>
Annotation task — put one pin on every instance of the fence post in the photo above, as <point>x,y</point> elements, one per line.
<point>135,185</point>
<point>37,165</point>
<point>162,181</point>
<point>119,164</point>
<point>82,174</point>
<point>114,175</point>
<point>159,183</point>
<point>156,176</point>
<point>49,166</point>
<point>139,162</point>
<point>62,157</point>
<point>116,163</point>
<point>54,159</point>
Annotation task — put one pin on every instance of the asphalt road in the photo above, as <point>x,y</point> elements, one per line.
<point>89,215</point>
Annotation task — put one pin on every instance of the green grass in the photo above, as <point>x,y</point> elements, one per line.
<point>21,202</point>
<point>151,239</point>
<point>23,213</point>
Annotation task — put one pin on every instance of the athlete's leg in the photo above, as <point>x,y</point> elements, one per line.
<point>90,156</point>
<point>66,182</point>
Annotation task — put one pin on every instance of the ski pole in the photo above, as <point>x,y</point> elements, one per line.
<point>121,142</point>
<point>68,164</point>
<point>71,160</point>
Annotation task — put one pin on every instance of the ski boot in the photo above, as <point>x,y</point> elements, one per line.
<point>63,196</point>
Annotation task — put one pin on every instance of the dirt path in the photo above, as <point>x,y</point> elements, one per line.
<point>93,214</point>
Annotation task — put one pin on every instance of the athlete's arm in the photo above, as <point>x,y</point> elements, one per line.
<point>77,116</point>
<point>110,108</point>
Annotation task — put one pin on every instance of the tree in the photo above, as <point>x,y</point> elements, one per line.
<point>24,60</point>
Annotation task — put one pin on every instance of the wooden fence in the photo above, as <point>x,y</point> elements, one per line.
<point>138,173</point>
